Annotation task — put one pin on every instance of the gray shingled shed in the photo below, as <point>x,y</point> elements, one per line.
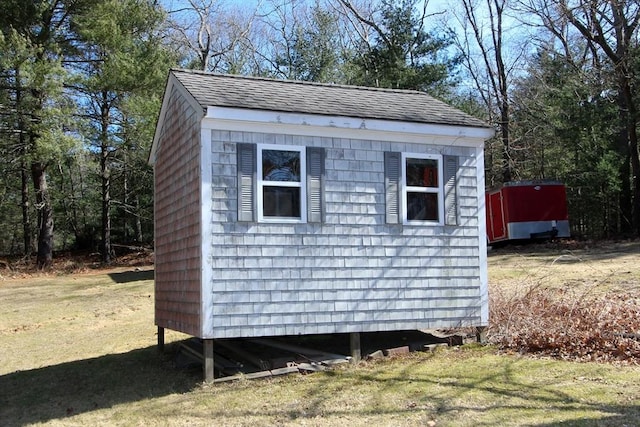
<point>287,208</point>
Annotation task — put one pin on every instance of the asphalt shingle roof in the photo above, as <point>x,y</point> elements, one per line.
<point>224,90</point>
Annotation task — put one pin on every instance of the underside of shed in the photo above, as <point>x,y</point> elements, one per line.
<point>251,358</point>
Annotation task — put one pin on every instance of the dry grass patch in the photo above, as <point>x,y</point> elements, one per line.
<point>583,266</point>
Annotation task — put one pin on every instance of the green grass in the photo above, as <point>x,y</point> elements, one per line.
<point>80,350</point>
<point>472,387</point>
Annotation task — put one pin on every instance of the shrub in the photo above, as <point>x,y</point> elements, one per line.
<point>565,325</point>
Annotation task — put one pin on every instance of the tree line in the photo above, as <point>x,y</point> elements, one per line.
<point>82,82</point>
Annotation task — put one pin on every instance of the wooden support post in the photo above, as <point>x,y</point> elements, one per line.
<point>207,363</point>
<point>354,343</point>
<point>481,334</point>
<point>160,339</point>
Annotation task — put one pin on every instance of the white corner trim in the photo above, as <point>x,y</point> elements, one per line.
<point>206,232</point>
<point>482,240</point>
<point>239,119</point>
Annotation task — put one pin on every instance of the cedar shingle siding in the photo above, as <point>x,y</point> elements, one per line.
<point>177,217</point>
<point>353,271</point>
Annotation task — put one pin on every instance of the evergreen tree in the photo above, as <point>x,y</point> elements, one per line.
<point>565,127</point>
<point>120,57</point>
<point>36,37</point>
<point>403,55</point>
<point>311,52</point>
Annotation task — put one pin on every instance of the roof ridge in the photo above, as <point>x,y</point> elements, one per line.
<point>304,82</point>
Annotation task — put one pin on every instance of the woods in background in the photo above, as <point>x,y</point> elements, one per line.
<point>82,83</point>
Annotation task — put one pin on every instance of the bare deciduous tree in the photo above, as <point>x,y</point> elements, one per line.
<point>490,66</point>
<point>209,30</point>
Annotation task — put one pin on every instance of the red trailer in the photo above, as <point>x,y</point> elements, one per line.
<point>526,210</point>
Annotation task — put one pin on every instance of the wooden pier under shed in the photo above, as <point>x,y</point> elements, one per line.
<point>252,358</point>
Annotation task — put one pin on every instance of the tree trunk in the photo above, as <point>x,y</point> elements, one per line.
<point>635,170</point>
<point>138,222</point>
<point>45,216</point>
<point>624,197</point>
<point>26,217</point>
<point>106,205</point>
<point>627,138</point>
<point>125,199</point>
<point>633,163</point>
<point>505,123</point>
<point>24,174</point>
<point>105,178</point>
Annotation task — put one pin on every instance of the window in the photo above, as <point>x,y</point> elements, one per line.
<point>421,188</point>
<point>279,183</point>
<point>281,193</point>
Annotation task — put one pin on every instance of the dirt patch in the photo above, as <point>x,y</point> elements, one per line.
<point>582,266</point>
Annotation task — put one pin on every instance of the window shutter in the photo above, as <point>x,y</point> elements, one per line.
<point>315,184</point>
<point>450,190</point>
<point>246,181</point>
<point>392,168</point>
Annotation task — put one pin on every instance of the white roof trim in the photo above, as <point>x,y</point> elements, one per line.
<point>240,119</point>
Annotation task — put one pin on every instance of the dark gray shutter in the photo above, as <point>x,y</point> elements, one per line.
<point>392,168</point>
<point>450,190</point>
<point>315,184</point>
<point>247,182</point>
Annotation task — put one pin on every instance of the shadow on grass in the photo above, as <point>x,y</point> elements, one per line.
<point>132,276</point>
<point>494,397</point>
<point>567,253</point>
<point>67,389</point>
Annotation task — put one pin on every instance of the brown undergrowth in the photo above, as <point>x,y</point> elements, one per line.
<point>561,323</point>
<point>78,262</point>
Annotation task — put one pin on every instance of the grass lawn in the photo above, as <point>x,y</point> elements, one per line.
<point>80,350</point>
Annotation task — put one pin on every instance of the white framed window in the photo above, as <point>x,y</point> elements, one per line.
<point>422,189</point>
<point>281,189</point>
<point>280,183</point>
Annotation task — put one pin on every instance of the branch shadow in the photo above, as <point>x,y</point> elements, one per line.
<point>567,253</point>
<point>59,391</point>
<point>509,397</point>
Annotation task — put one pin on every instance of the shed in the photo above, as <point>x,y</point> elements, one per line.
<point>287,208</point>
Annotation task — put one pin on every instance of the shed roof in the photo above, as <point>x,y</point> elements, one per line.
<point>223,90</point>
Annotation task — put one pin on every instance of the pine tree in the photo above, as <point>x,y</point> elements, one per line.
<point>119,57</point>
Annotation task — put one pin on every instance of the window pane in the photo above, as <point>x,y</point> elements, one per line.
<point>281,201</point>
<point>422,172</point>
<point>422,206</point>
<point>280,165</point>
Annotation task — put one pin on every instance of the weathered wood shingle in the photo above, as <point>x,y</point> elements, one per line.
<point>177,219</point>
<point>325,99</point>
